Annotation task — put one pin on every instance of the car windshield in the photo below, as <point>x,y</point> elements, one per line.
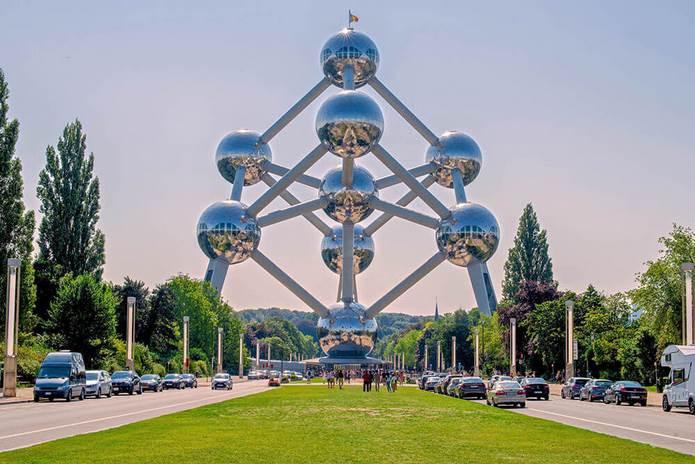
<point>171,376</point>
<point>92,375</point>
<point>120,375</point>
<point>54,372</point>
<point>603,383</point>
<point>580,381</point>
<point>472,380</point>
<point>148,377</point>
<point>222,376</point>
<point>507,385</point>
<point>535,380</point>
<point>630,383</point>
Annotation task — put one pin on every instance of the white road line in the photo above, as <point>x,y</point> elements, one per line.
<point>630,429</point>
<point>102,419</point>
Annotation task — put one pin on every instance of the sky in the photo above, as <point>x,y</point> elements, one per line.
<point>585,109</point>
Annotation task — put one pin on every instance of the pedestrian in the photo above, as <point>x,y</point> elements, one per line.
<point>377,379</point>
<point>365,380</point>
<point>348,376</point>
<point>341,377</point>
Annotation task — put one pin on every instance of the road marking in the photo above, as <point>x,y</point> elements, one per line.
<point>623,427</point>
<point>102,419</point>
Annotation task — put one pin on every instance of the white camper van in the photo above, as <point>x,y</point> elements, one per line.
<point>680,392</point>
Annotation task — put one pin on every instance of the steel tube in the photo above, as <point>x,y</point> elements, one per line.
<point>292,200</point>
<point>404,201</point>
<point>404,213</point>
<point>403,110</point>
<point>294,111</point>
<point>292,211</point>
<point>419,171</point>
<point>348,269</point>
<point>459,187</point>
<point>348,165</point>
<point>405,284</point>
<point>407,178</point>
<point>299,291</point>
<point>238,184</point>
<point>285,181</point>
<point>303,179</point>
<point>348,77</point>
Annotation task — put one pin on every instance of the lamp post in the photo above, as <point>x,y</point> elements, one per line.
<point>439,356</point>
<point>569,339</point>
<point>476,363</point>
<point>453,352</point>
<point>424,361</point>
<point>220,332</point>
<point>512,343</point>
<point>186,360</point>
<point>241,355</point>
<point>130,333</point>
<point>14,266</point>
<point>688,308</point>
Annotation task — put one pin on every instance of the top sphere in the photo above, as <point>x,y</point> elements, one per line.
<point>470,234</point>
<point>242,148</point>
<point>456,150</point>
<point>349,47</point>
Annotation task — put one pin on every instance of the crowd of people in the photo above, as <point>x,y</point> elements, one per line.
<point>371,378</point>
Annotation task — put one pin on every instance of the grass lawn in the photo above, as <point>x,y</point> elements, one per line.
<point>311,424</point>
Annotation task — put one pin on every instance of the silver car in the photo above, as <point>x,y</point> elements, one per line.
<point>507,392</point>
<point>98,384</point>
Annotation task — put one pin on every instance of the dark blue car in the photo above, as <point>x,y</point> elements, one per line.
<point>572,387</point>
<point>594,389</point>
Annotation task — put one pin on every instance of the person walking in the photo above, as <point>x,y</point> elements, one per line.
<point>377,379</point>
<point>341,377</point>
<point>365,380</point>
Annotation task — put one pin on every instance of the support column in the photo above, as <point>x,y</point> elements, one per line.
<point>130,334</point>
<point>569,339</point>
<point>216,272</point>
<point>424,361</point>
<point>348,262</point>
<point>258,355</point>
<point>220,332</point>
<point>268,355</point>
<point>476,361</point>
<point>688,307</point>
<point>186,358</point>
<point>241,355</point>
<point>453,353</point>
<point>512,346</point>
<point>439,356</point>
<point>14,267</point>
<point>482,287</point>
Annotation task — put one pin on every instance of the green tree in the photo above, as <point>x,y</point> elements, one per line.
<point>16,224</point>
<point>82,318</point>
<point>69,241</point>
<point>528,258</point>
<point>660,286</point>
<point>164,327</point>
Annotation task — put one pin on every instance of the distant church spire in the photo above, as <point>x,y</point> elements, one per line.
<point>436,309</point>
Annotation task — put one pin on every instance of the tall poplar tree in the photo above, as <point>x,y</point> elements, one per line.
<point>16,224</point>
<point>528,259</point>
<point>69,241</point>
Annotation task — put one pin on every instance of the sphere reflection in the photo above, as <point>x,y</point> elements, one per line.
<point>349,47</point>
<point>226,231</point>
<point>332,250</point>
<point>348,203</point>
<point>242,148</point>
<point>470,234</point>
<point>456,150</point>
<point>346,333</point>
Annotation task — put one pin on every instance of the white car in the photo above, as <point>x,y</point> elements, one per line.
<point>98,384</point>
<point>507,392</point>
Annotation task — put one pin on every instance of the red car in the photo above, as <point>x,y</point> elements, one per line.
<point>274,382</point>
<point>536,387</point>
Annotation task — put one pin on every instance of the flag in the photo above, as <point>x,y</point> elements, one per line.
<point>352,17</point>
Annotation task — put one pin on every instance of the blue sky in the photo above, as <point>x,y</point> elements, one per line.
<point>584,109</point>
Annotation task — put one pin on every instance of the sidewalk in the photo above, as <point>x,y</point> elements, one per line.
<point>653,398</point>
<point>23,395</point>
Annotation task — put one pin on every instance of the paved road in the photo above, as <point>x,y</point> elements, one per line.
<point>28,424</point>
<point>674,430</point>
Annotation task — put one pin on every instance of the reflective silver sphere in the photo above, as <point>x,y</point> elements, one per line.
<point>349,124</point>
<point>457,150</point>
<point>224,230</point>
<point>332,250</point>
<point>470,234</point>
<point>346,333</point>
<point>349,47</point>
<point>348,204</point>
<point>242,148</point>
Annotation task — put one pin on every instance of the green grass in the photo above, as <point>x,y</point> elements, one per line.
<point>312,424</point>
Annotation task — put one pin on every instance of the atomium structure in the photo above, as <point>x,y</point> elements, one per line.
<point>349,125</point>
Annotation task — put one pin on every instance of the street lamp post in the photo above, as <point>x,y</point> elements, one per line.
<point>130,333</point>
<point>14,266</point>
<point>453,352</point>
<point>439,356</point>
<point>220,332</point>
<point>512,343</point>
<point>186,360</point>
<point>569,339</point>
<point>424,361</point>
<point>241,355</point>
<point>688,308</point>
<point>476,364</point>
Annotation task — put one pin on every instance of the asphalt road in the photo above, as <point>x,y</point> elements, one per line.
<point>674,430</point>
<point>28,424</point>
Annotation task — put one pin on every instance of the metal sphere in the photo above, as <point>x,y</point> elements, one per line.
<point>242,148</point>
<point>470,234</point>
<point>332,250</point>
<point>349,47</point>
<point>456,150</point>
<point>348,204</point>
<point>349,124</point>
<point>346,333</point>
<point>226,231</point>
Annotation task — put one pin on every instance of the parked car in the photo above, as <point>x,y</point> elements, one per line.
<point>680,391</point>
<point>471,387</point>
<point>151,382</point>
<point>173,381</point>
<point>422,379</point>
<point>254,375</point>
<point>443,387</point>
<point>126,382</point>
<point>496,378</point>
<point>98,383</point>
<point>535,387</point>
<point>274,381</point>
<point>62,375</point>
<point>432,382</point>
<point>189,381</point>
<point>507,392</point>
<point>222,381</point>
<point>571,388</point>
<point>626,391</point>
<point>452,389</point>
<point>594,389</point>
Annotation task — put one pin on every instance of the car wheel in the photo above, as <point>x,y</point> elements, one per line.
<point>108,395</point>
<point>643,403</point>
<point>562,394</point>
<point>140,390</point>
<point>36,398</point>
<point>131,391</point>
<point>495,404</point>
<point>631,403</point>
<point>68,397</point>
<point>82,394</point>
<point>51,399</point>
<point>98,395</point>
<point>581,398</point>
<point>591,399</point>
<point>522,405</point>
<point>546,397</point>
<point>618,401</point>
<point>691,406</point>
<point>664,404</point>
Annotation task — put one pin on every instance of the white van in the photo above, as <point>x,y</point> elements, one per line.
<point>680,392</point>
